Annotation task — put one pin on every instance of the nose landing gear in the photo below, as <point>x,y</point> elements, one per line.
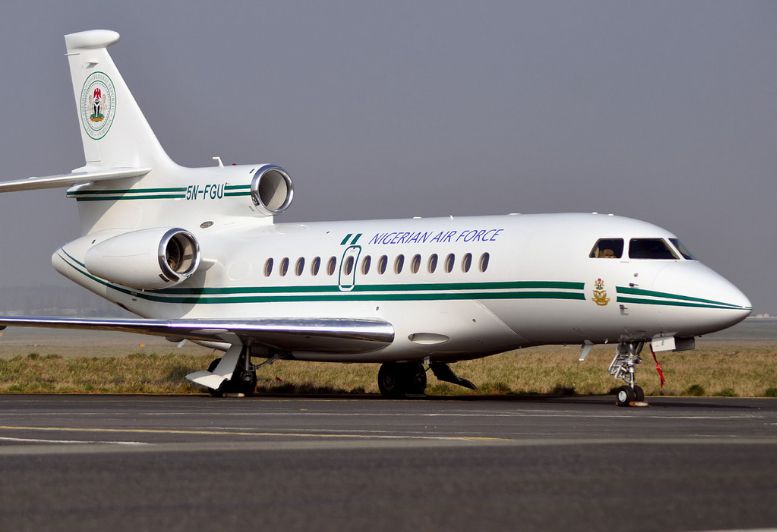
<point>623,367</point>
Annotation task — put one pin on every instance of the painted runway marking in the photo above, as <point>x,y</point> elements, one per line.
<point>191,432</point>
<point>475,413</point>
<point>37,440</point>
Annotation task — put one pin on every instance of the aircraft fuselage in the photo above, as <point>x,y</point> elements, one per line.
<point>478,285</point>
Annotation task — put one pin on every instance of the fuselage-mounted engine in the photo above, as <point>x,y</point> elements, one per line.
<point>147,259</point>
<point>271,189</point>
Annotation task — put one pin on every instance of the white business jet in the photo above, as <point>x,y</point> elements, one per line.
<point>197,254</point>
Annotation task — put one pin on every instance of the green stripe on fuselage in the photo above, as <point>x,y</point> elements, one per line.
<point>667,295</point>
<point>377,287</point>
<point>335,295</point>
<point>126,198</point>
<point>125,191</point>
<point>667,302</point>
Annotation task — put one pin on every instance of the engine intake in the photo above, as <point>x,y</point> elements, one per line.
<point>271,189</point>
<point>147,259</point>
<point>179,255</point>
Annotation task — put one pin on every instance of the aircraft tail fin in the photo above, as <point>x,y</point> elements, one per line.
<point>114,132</point>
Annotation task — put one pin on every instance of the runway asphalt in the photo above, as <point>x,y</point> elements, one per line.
<point>296,463</point>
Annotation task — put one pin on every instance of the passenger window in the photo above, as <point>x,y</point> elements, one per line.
<point>399,262</point>
<point>382,264</point>
<point>466,262</point>
<point>432,265</point>
<point>484,258</point>
<point>300,266</point>
<point>415,265</point>
<point>650,248</point>
<point>331,266</point>
<point>348,268</point>
<point>315,265</point>
<point>268,267</point>
<point>607,248</point>
<point>682,249</point>
<point>284,266</point>
<point>449,261</point>
<point>366,261</point>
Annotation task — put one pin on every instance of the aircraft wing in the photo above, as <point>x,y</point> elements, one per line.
<point>324,335</point>
<point>73,178</point>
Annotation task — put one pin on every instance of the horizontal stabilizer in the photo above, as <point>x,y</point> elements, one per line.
<point>73,178</point>
<point>319,335</point>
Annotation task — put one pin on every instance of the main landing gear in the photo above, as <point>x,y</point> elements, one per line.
<point>400,379</point>
<point>623,367</point>
<point>243,379</point>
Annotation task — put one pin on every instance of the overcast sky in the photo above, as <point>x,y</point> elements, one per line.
<point>663,111</point>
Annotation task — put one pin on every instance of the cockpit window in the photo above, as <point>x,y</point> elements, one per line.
<point>650,248</point>
<point>607,248</point>
<point>682,249</point>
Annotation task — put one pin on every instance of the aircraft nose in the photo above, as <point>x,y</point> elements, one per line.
<point>742,305</point>
<point>719,302</point>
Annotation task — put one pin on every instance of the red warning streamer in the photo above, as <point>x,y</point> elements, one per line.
<point>658,368</point>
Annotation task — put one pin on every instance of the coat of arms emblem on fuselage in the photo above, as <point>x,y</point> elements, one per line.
<point>97,105</point>
<point>600,294</point>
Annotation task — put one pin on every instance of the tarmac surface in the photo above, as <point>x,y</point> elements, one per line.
<point>343,463</point>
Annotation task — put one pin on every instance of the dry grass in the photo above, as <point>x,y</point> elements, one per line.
<point>720,368</point>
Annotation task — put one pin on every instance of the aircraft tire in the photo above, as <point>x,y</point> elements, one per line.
<point>390,381</point>
<point>241,382</point>
<point>639,393</point>
<point>245,382</point>
<point>415,378</point>
<point>624,395</point>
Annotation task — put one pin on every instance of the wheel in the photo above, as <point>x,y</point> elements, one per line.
<point>639,393</point>
<point>415,378</point>
<point>244,382</point>
<point>624,396</point>
<point>390,380</point>
<point>241,382</point>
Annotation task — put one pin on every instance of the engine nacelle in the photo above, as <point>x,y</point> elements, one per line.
<point>271,189</point>
<point>147,259</point>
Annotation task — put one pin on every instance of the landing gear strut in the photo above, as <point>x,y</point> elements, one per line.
<point>623,367</point>
<point>399,379</point>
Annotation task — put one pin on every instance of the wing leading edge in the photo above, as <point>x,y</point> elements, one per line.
<point>321,335</point>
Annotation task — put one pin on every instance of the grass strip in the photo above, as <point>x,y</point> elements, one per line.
<point>725,369</point>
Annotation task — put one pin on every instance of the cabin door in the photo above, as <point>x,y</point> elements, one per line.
<point>347,279</point>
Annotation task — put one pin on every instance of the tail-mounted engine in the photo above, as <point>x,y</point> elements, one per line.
<point>271,189</point>
<point>147,259</point>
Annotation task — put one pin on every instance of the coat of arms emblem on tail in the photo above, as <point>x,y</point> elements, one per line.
<point>97,97</point>
<point>97,105</point>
